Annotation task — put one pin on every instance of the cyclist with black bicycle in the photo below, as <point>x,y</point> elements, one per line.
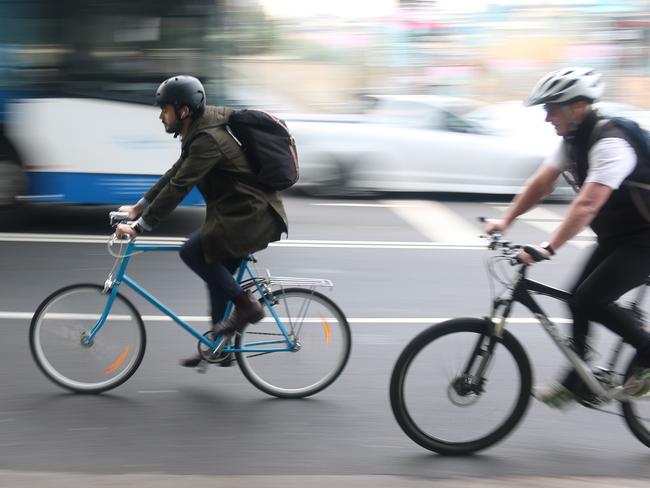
<point>602,160</point>
<point>242,217</point>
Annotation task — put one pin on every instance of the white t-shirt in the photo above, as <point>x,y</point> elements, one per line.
<point>611,160</point>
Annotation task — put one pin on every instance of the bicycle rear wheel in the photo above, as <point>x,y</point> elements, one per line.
<point>443,403</point>
<point>315,355</point>
<point>58,333</point>
<point>637,412</point>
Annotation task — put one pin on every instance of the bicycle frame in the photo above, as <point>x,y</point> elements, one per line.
<point>113,283</point>
<point>521,290</point>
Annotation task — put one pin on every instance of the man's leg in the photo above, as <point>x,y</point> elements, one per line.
<point>625,268</point>
<point>219,279</point>
<point>218,276</point>
<point>607,274</point>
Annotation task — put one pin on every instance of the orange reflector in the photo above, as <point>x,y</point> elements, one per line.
<point>118,362</point>
<point>327,329</point>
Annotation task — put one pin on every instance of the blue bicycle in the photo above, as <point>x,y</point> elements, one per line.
<point>90,338</point>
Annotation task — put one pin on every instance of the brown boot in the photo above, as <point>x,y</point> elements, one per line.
<point>247,311</point>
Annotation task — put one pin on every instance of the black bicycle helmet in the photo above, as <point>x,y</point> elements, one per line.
<point>182,90</point>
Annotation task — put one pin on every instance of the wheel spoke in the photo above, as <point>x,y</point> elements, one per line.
<point>459,413</point>
<point>59,339</point>
<point>313,360</point>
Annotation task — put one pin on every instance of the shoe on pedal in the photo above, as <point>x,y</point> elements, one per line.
<point>194,362</point>
<point>638,384</point>
<point>247,311</point>
<point>555,395</point>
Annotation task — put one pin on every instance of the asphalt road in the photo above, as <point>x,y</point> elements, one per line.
<point>397,266</point>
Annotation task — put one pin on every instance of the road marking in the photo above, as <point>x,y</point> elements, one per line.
<point>438,223</point>
<point>357,320</point>
<point>155,392</point>
<point>476,243</point>
<point>377,205</point>
<point>306,243</point>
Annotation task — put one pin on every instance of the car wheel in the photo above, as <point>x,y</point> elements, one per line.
<point>338,182</point>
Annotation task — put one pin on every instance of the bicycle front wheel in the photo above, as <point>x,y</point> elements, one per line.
<point>441,398</point>
<point>313,356</point>
<point>58,338</point>
<point>637,412</point>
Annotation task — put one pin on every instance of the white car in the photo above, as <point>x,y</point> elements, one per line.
<point>415,144</point>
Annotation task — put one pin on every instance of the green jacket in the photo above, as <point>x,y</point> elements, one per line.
<point>241,216</point>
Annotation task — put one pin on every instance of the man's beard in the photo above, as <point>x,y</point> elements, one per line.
<point>175,127</point>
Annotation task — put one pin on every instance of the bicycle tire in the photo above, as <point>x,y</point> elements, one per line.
<point>637,412</point>
<point>477,329</point>
<point>324,335</point>
<point>56,344</point>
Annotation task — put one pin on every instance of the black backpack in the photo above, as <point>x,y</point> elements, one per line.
<point>639,136</point>
<point>640,139</point>
<point>268,146</point>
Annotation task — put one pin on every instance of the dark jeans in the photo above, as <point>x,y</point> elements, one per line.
<point>609,274</point>
<point>222,286</point>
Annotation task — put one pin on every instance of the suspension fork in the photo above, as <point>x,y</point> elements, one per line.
<point>483,351</point>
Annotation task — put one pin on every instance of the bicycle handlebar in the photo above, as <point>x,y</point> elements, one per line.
<point>116,218</point>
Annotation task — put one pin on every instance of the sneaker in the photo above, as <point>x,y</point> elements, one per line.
<point>555,395</point>
<point>638,385</point>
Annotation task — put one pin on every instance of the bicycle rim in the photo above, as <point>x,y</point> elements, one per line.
<point>319,345</point>
<point>637,412</point>
<point>57,339</point>
<point>431,401</point>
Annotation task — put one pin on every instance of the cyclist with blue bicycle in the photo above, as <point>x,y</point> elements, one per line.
<point>607,165</point>
<point>242,216</point>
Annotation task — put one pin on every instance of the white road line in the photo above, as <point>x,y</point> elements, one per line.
<point>438,223</point>
<point>376,205</point>
<point>305,243</point>
<point>7,315</point>
<point>156,392</point>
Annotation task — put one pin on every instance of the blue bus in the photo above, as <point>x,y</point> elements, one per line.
<point>77,83</point>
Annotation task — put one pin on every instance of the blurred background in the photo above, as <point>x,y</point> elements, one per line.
<point>409,124</point>
<point>321,55</point>
<point>94,65</point>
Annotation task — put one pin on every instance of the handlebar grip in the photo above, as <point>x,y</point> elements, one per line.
<point>535,254</point>
<point>118,218</point>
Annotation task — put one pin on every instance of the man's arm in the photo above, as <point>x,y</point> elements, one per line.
<point>153,192</point>
<point>204,154</point>
<point>582,211</point>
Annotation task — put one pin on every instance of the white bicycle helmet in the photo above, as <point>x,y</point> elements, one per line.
<point>566,86</point>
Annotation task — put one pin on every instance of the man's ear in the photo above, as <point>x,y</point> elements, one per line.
<point>185,112</point>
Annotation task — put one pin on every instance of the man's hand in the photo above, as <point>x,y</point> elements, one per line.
<point>125,230</point>
<point>537,252</point>
<point>133,210</point>
<point>490,226</point>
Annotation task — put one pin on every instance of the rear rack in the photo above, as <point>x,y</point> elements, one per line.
<point>285,281</point>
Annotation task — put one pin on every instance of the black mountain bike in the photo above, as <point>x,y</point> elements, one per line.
<point>464,384</point>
